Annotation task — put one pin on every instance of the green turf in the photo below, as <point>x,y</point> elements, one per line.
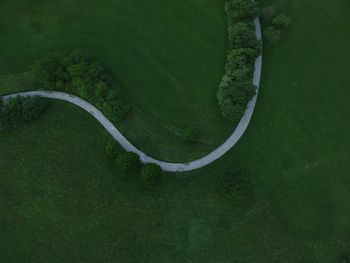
<point>301,123</point>
<point>168,61</point>
<point>61,200</point>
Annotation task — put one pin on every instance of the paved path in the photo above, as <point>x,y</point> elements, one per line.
<point>171,167</point>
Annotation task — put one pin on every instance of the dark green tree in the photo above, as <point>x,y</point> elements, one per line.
<point>281,21</point>
<point>128,162</point>
<point>20,111</point>
<point>113,149</point>
<point>151,173</point>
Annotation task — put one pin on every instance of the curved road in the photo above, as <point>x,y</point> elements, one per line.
<point>171,167</point>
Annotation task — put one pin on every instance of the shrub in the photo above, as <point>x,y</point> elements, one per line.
<point>240,59</point>
<point>128,162</point>
<point>150,173</point>
<point>272,36</point>
<point>20,111</point>
<point>234,184</point>
<point>243,35</point>
<point>51,73</point>
<point>281,21</point>
<point>113,149</point>
<point>116,110</point>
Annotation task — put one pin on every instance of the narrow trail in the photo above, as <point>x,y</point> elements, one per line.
<point>166,166</point>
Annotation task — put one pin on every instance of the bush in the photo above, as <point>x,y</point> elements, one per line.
<point>234,184</point>
<point>116,110</point>
<point>272,36</point>
<point>113,149</point>
<point>129,162</point>
<point>282,21</point>
<point>20,111</point>
<point>274,25</point>
<point>76,74</point>
<point>150,173</point>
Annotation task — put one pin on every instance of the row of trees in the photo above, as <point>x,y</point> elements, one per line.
<point>79,75</point>
<point>20,111</point>
<point>129,163</point>
<point>236,88</point>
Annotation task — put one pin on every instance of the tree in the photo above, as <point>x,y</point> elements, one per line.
<point>101,91</point>
<point>76,74</point>
<point>128,162</point>
<point>113,149</point>
<point>233,98</point>
<point>242,35</point>
<point>282,21</point>
<point>116,110</point>
<point>150,173</point>
<point>240,58</point>
<point>241,10</point>
<point>20,111</point>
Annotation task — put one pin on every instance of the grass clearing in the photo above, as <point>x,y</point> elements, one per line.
<point>301,122</point>
<point>61,200</point>
<point>168,61</point>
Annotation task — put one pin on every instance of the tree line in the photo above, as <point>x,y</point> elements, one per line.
<point>79,75</point>
<point>236,88</point>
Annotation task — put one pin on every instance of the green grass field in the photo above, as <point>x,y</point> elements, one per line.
<point>302,122</point>
<point>168,61</point>
<point>61,200</point>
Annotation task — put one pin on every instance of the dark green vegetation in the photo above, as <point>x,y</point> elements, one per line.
<point>235,184</point>
<point>236,88</point>
<point>300,128</point>
<point>77,74</point>
<point>62,200</point>
<point>128,162</point>
<point>113,149</point>
<point>274,24</point>
<point>18,112</point>
<point>167,61</point>
<point>151,173</point>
